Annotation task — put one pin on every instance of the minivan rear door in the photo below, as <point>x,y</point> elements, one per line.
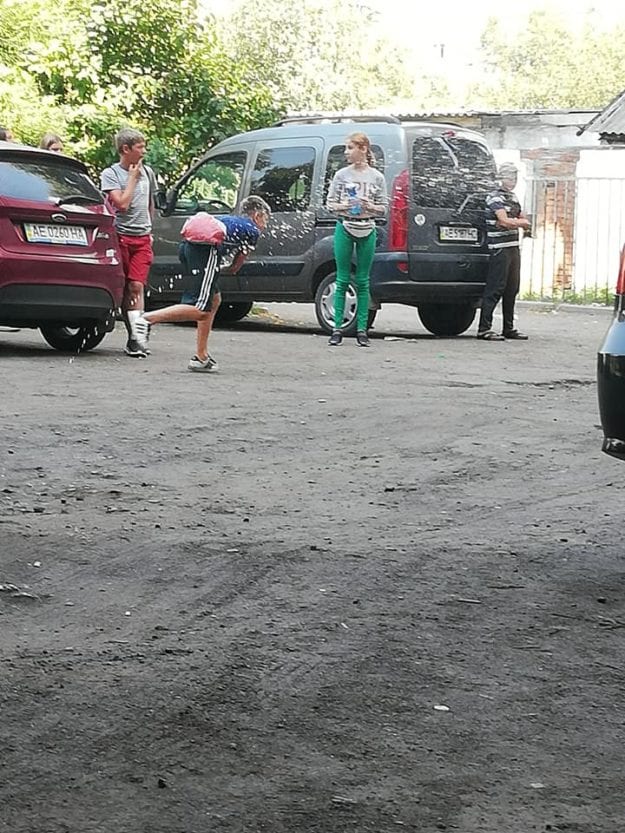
<point>451,172</point>
<point>283,174</point>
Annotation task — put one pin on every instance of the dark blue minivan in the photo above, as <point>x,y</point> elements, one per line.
<point>431,251</point>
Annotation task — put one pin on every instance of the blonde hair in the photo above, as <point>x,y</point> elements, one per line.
<point>363,141</point>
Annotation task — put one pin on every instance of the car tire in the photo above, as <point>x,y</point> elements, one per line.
<point>73,339</point>
<point>229,313</point>
<point>324,307</point>
<point>446,319</point>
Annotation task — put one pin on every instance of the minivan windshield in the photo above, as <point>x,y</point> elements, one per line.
<point>41,179</point>
<point>449,170</point>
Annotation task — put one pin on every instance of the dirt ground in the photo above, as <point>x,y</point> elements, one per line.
<point>320,590</point>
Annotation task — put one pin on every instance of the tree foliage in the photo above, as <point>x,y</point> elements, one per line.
<point>548,64</point>
<point>318,54</point>
<point>84,68</point>
<point>150,63</point>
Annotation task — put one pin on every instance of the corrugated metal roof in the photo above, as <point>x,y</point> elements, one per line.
<point>439,114</point>
<point>609,120</point>
<point>424,114</point>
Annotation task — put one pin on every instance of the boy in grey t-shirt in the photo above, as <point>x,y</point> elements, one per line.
<point>130,186</point>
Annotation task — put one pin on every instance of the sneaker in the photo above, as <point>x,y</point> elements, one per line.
<point>336,338</point>
<point>362,339</point>
<point>134,349</point>
<point>198,366</point>
<point>142,331</point>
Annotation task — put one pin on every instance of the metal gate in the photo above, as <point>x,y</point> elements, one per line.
<point>578,229</point>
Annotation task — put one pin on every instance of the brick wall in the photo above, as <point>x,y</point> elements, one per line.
<point>552,177</point>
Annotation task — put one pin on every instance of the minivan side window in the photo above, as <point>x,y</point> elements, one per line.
<point>214,186</point>
<point>337,160</point>
<point>446,171</point>
<point>283,177</point>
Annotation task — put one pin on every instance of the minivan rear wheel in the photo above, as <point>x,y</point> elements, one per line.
<point>324,307</point>
<point>447,319</point>
<point>229,313</point>
<point>73,339</point>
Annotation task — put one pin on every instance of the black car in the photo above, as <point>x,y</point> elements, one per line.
<point>611,375</point>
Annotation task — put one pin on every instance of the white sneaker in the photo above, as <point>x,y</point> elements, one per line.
<point>199,366</point>
<point>142,332</point>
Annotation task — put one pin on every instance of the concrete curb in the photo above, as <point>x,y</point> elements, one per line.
<point>550,306</point>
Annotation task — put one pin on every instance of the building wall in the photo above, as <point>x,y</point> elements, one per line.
<point>529,131</point>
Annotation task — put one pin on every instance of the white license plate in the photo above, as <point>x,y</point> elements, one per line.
<point>455,233</point>
<point>49,233</point>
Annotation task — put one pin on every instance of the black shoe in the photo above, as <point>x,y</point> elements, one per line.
<point>362,339</point>
<point>336,338</point>
<point>134,349</point>
<point>515,334</point>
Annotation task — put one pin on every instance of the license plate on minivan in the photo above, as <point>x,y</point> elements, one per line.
<point>51,233</point>
<point>457,234</point>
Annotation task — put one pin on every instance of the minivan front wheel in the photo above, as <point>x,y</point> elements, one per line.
<point>447,319</point>
<point>73,339</point>
<point>324,306</point>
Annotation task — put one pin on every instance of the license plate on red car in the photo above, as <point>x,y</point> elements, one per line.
<point>56,233</point>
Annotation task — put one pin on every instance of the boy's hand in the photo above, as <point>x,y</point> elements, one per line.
<point>134,171</point>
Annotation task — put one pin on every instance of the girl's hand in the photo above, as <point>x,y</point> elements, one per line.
<point>338,207</point>
<point>368,204</point>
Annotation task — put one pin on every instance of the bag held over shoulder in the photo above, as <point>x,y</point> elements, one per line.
<point>204,228</point>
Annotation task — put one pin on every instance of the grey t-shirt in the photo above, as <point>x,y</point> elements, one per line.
<point>137,219</point>
<point>356,183</point>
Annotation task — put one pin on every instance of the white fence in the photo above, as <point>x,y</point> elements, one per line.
<point>578,229</point>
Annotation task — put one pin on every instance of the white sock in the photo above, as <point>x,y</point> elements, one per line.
<point>132,315</point>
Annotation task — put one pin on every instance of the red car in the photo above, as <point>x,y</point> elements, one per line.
<point>60,268</point>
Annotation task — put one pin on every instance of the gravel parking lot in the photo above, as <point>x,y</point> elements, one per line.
<point>320,590</point>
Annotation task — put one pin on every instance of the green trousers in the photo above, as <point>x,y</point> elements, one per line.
<point>344,245</point>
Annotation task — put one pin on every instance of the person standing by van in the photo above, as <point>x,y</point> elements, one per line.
<point>358,196</point>
<point>130,187</point>
<point>504,218</point>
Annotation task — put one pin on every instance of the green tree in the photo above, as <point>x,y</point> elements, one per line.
<point>550,65</point>
<point>150,63</point>
<point>317,55</point>
<point>23,109</point>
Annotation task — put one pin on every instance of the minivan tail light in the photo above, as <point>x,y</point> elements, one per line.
<point>398,214</point>
<point>620,282</point>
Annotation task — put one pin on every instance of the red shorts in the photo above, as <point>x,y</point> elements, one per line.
<point>137,256</point>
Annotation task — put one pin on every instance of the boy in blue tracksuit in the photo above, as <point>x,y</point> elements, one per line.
<point>201,262</point>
